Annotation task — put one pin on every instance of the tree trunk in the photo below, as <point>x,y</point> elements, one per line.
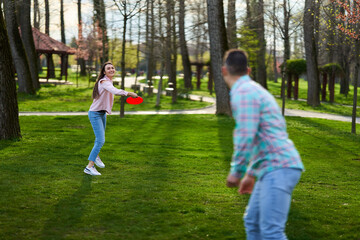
<point>36,14</point>
<point>17,49</point>
<point>100,19</point>
<point>50,62</point>
<point>63,39</point>
<point>289,85</point>
<point>9,113</point>
<point>231,24</point>
<point>123,72</point>
<point>174,53</point>
<point>170,62</point>
<point>310,52</point>
<point>183,47</point>
<point>323,91</point>
<point>261,70</point>
<point>332,87</point>
<point>274,43</point>
<point>47,18</point>
<point>81,60</point>
<point>218,46</point>
<point>162,55</point>
<point>28,41</point>
<point>296,87</point>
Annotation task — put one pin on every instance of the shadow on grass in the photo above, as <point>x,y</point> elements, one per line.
<point>67,213</point>
<point>225,137</point>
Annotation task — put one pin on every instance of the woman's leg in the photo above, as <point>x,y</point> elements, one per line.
<point>98,122</point>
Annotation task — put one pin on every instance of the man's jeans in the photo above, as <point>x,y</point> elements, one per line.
<point>98,123</point>
<point>269,204</point>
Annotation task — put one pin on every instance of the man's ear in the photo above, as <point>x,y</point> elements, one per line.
<point>224,71</point>
<point>249,71</point>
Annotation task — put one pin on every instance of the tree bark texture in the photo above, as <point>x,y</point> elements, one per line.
<point>28,41</point>
<point>323,90</point>
<point>184,48</point>
<point>218,46</point>
<point>231,24</point>
<point>81,61</point>
<point>100,19</point>
<point>170,63</point>
<point>36,14</point>
<point>261,70</point>
<point>17,49</point>
<point>313,98</point>
<point>9,113</point>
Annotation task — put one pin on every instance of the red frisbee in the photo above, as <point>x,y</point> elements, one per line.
<point>134,101</point>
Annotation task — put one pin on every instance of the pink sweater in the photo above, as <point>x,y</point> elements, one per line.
<point>105,101</point>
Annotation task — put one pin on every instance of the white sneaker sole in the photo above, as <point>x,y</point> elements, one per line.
<point>88,172</point>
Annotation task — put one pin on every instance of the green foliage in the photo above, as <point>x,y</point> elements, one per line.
<point>115,53</point>
<point>331,68</point>
<point>165,179</point>
<point>249,42</point>
<point>295,66</point>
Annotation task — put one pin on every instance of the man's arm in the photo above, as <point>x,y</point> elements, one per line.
<point>247,117</point>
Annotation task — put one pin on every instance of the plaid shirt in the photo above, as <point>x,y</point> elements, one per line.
<point>261,143</point>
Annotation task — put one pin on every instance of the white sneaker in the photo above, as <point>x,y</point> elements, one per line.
<point>91,171</point>
<point>99,163</point>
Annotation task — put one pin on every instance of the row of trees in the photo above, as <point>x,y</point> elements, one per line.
<point>166,27</point>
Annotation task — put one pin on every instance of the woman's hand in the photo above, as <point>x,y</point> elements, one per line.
<point>133,95</point>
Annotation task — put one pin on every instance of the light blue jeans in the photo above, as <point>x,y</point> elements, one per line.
<point>269,204</point>
<point>98,123</point>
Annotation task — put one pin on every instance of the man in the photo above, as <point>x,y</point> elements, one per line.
<point>262,152</point>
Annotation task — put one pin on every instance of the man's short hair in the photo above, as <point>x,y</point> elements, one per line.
<point>235,60</point>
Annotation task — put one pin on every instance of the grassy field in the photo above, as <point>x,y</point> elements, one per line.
<point>64,98</point>
<point>163,180</point>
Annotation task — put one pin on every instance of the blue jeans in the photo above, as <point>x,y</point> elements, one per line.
<point>98,123</point>
<point>267,211</point>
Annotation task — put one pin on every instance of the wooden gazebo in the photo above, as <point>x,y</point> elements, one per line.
<point>44,44</point>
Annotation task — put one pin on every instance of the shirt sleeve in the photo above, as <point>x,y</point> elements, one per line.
<point>246,112</point>
<point>109,87</point>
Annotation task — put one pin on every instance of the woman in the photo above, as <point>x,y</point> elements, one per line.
<point>103,95</point>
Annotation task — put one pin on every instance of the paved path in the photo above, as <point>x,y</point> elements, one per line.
<point>207,110</point>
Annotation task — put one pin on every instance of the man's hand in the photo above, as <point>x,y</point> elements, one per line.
<point>232,181</point>
<point>247,184</point>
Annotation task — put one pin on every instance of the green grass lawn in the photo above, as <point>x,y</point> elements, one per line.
<point>71,99</point>
<point>163,180</point>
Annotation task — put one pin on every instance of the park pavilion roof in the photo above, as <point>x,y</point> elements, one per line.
<point>46,44</point>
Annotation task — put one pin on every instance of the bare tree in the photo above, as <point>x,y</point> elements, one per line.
<point>9,113</point>
<point>313,98</point>
<point>183,47</point>
<point>128,9</point>
<point>218,46</point>
<point>17,49</point>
